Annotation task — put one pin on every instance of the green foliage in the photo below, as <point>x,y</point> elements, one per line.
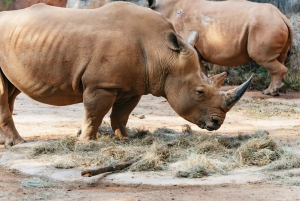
<point>4,4</point>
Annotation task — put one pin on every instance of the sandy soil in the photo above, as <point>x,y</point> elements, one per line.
<point>35,121</point>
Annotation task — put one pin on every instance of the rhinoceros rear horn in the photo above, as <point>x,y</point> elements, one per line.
<point>218,79</point>
<point>234,95</point>
<point>193,37</point>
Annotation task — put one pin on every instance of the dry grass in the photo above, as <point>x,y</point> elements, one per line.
<point>287,179</point>
<point>267,108</point>
<point>289,158</point>
<point>195,172</point>
<point>185,155</point>
<point>259,151</point>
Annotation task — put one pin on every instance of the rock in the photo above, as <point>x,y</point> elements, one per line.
<point>141,116</point>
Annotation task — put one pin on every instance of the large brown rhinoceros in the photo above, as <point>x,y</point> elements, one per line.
<point>103,58</point>
<point>234,32</point>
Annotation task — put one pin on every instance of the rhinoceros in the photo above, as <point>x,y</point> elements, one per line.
<point>234,32</point>
<point>103,58</point>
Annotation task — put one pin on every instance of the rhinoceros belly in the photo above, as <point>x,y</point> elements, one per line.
<point>44,72</point>
<point>44,86</point>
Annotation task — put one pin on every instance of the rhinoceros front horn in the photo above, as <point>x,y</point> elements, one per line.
<point>234,95</point>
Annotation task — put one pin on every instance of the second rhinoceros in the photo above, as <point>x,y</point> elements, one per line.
<point>234,32</point>
<point>106,58</point>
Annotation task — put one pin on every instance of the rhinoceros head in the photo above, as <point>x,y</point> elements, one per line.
<point>193,95</point>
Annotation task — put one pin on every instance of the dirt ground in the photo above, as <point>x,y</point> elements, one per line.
<point>277,115</point>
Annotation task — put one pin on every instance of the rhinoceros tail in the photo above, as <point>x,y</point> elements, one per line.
<point>289,43</point>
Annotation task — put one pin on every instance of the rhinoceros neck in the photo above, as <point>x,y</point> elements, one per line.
<point>155,79</point>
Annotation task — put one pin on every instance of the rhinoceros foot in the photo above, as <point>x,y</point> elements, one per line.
<point>102,130</point>
<point>9,142</point>
<point>270,92</point>
<point>273,89</point>
<point>121,137</point>
<point>105,131</point>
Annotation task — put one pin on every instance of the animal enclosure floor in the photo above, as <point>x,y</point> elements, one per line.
<point>35,121</point>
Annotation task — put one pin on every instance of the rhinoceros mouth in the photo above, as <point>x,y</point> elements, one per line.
<point>210,128</point>
<point>213,128</point>
<point>210,123</point>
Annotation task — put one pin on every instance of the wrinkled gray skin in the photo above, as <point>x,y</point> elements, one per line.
<point>103,58</point>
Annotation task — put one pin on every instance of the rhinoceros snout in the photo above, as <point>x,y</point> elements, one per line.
<point>211,123</point>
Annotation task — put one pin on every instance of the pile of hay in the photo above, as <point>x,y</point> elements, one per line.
<point>188,154</point>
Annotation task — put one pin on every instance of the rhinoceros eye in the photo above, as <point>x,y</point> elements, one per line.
<point>199,92</point>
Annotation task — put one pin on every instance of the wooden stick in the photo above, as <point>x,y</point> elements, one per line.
<point>110,168</point>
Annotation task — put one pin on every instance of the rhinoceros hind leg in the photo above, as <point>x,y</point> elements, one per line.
<point>97,103</point>
<point>120,114</point>
<point>277,71</point>
<point>8,132</point>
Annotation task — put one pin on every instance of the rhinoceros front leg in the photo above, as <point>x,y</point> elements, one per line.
<point>97,103</point>
<point>277,71</point>
<point>120,114</point>
<point>9,135</point>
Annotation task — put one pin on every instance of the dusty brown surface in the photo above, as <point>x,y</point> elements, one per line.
<point>279,116</point>
<point>11,189</point>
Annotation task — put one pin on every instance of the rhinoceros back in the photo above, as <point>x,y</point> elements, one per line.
<point>45,51</point>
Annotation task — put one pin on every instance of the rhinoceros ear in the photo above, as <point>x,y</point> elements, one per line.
<point>193,37</point>
<point>174,42</point>
<point>218,79</point>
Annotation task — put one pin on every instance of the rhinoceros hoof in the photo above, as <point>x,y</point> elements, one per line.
<point>126,138</point>
<point>266,92</point>
<point>274,93</point>
<point>9,142</point>
<point>271,92</point>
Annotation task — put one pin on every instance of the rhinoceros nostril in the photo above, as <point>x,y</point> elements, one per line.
<point>215,121</point>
